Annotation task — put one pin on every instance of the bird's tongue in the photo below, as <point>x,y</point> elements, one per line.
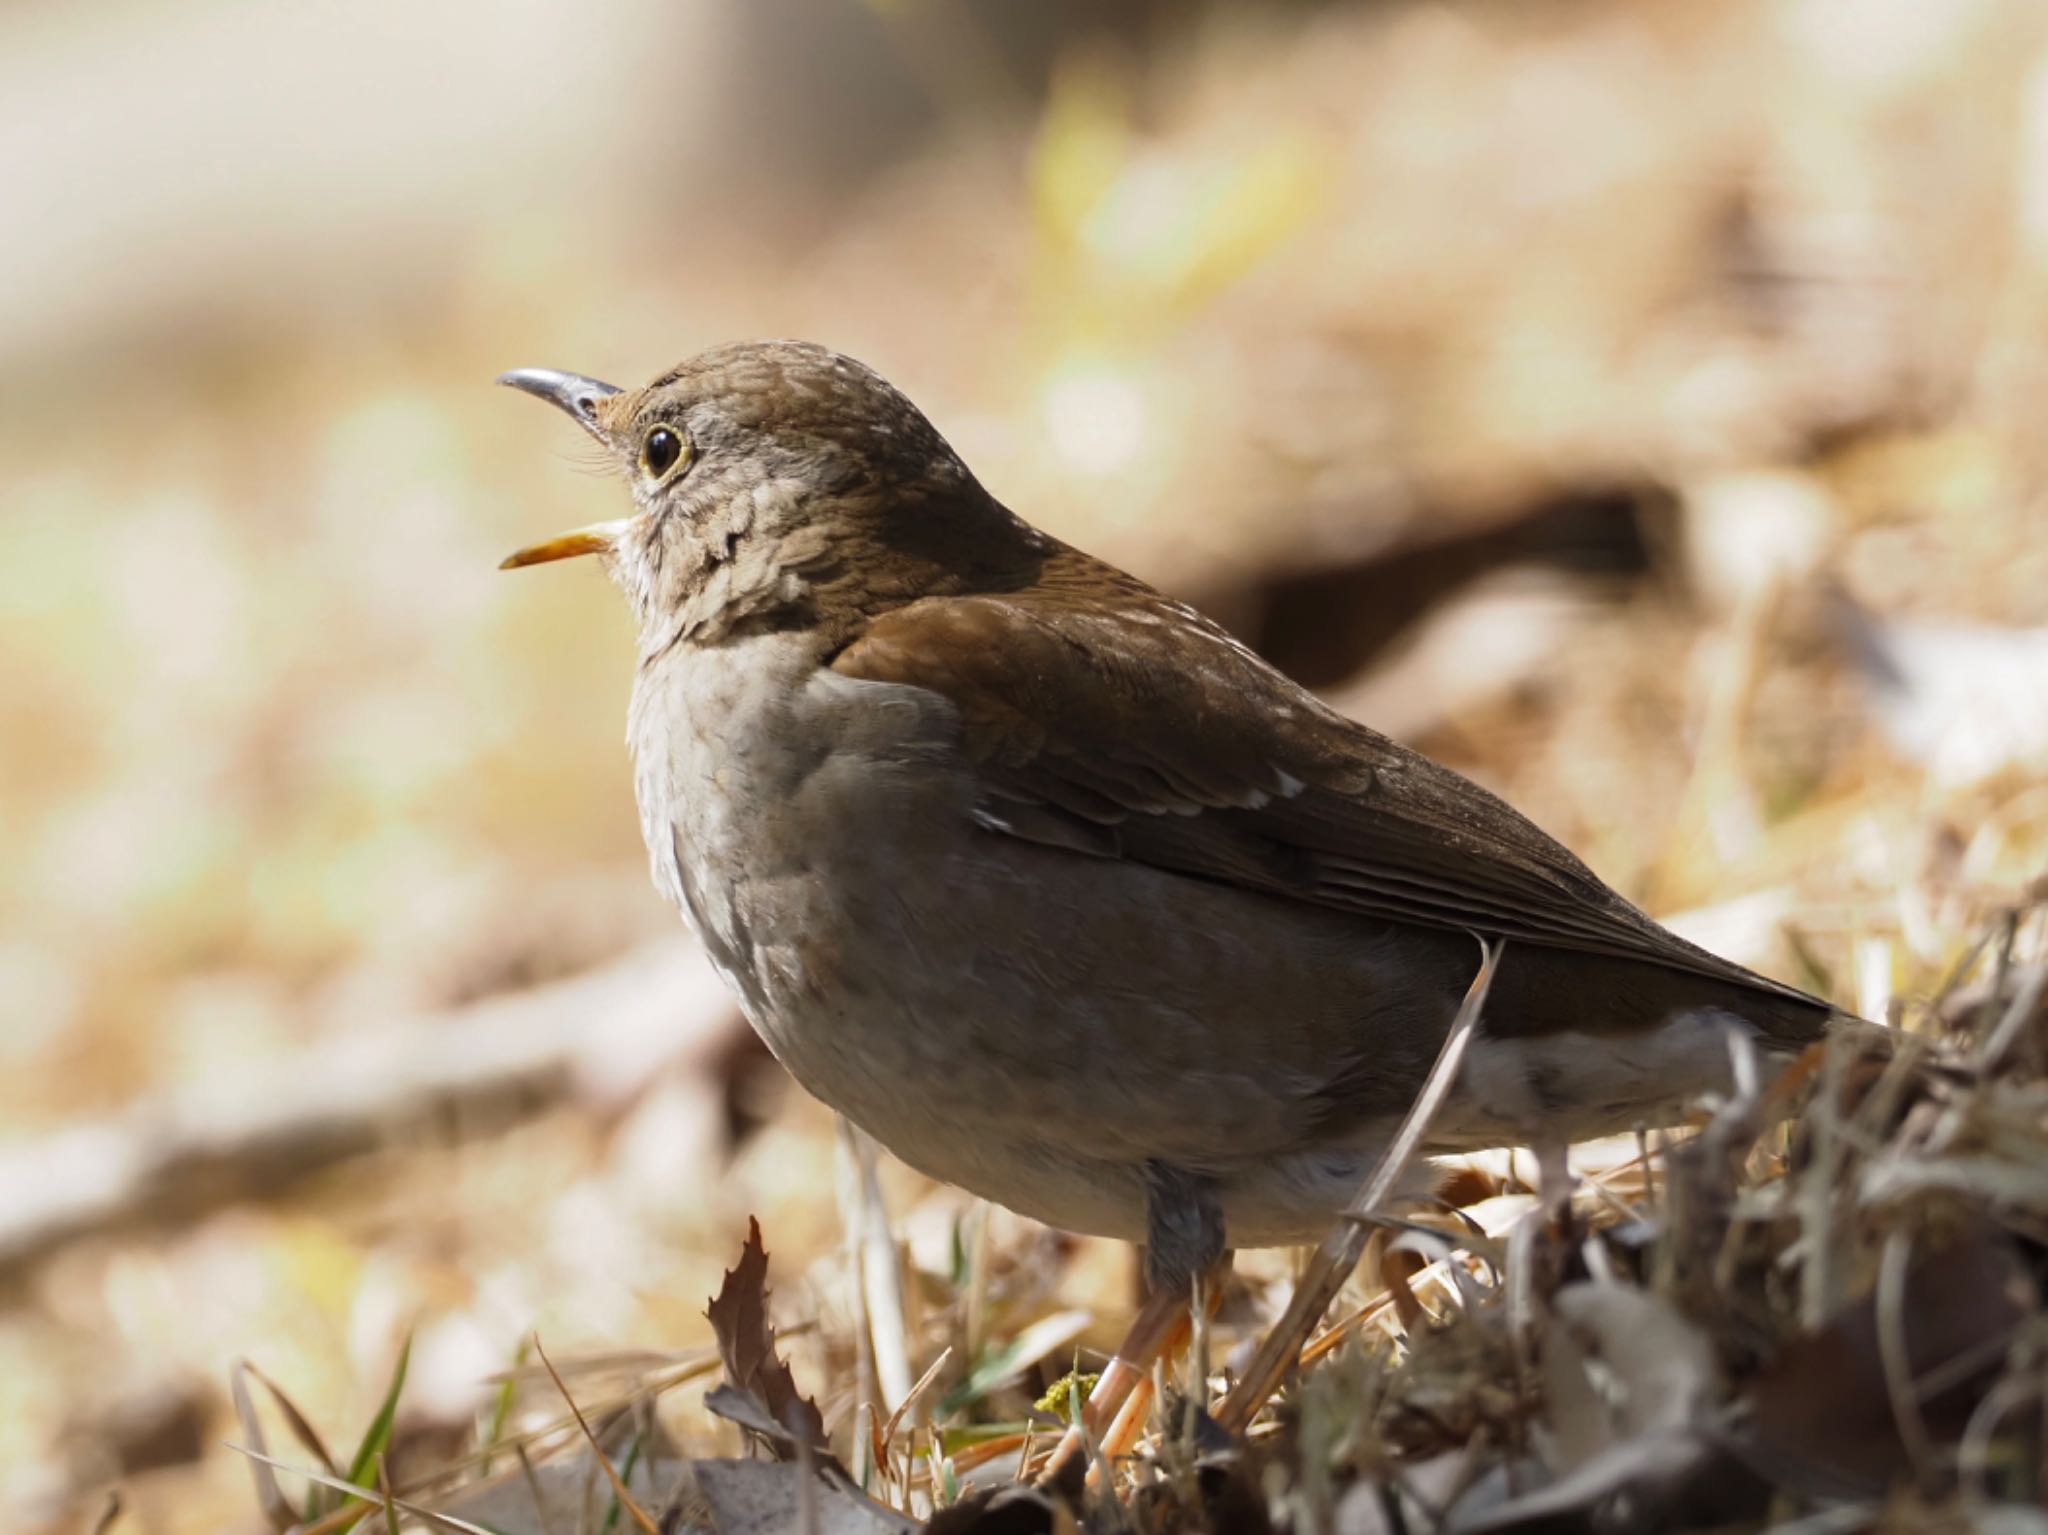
<point>598,538</point>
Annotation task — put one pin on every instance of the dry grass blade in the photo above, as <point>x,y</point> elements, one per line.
<point>878,1280</point>
<point>1340,1251</point>
<point>626,1500</point>
<point>615,1362</point>
<point>2021,1011</point>
<point>972,1456</point>
<point>276,1507</point>
<point>912,1397</point>
<point>390,1507</point>
<point>296,1421</point>
<point>1895,1357</point>
<point>366,1494</point>
<point>692,1368</point>
<point>1333,1336</point>
<point>334,1522</point>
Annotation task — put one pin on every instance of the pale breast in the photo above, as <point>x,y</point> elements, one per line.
<point>790,813</point>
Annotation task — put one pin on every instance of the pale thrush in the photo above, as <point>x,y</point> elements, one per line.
<point>1052,886</point>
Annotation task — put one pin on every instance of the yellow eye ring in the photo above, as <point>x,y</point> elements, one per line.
<point>662,451</point>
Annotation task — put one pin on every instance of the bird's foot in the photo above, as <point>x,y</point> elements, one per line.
<point>1185,1262</point>
<point>1113,1418</point>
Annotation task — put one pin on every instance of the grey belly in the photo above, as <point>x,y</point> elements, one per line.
<point>1036,1025</point>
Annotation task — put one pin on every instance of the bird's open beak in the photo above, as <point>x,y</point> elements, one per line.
<point>580,398</point>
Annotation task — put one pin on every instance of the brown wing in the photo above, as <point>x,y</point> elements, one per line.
<point>1138,729</point>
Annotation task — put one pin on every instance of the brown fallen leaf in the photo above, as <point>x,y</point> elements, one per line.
<point>1824,1414</point>
<point>738,1314</point>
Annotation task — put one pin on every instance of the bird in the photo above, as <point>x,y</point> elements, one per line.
<point>1054,887</point>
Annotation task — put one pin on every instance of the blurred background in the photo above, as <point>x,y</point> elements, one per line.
<point>1636,405</point>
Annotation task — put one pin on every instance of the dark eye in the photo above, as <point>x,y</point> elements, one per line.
<point>660,452</point>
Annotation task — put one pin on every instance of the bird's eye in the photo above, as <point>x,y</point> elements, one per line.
<point>661,452</point>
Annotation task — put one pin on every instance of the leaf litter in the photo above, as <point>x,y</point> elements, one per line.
<point>1832,1321</point>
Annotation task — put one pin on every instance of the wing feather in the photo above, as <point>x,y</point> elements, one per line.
<point>1134,728</point>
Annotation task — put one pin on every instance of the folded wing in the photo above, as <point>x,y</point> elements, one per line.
<point>1137,729</point>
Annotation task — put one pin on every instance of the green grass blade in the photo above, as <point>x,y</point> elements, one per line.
<point>377,1438</point>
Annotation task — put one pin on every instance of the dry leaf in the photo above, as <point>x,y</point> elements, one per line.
<point>738,1314</point>
<point>1823,1413</point>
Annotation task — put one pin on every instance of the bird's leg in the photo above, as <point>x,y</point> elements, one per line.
<point>1554,1180</point>
<point>1183,1229</point>
<point>1183,1246</point>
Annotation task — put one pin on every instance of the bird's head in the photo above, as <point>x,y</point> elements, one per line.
<point>778,483</point>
